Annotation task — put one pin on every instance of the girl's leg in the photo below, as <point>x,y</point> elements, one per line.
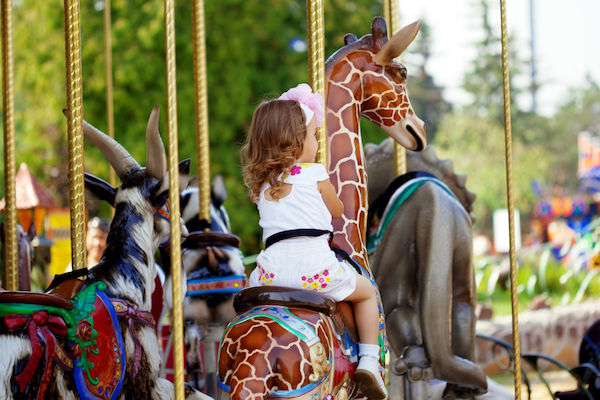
<point>366,313</point>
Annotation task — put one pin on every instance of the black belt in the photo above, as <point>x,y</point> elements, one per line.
<point>279,236</point>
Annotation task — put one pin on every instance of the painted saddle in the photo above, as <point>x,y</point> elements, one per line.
<point>78,327</point>
<point>288,343</point>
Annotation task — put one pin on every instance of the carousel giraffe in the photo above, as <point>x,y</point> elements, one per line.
<point>297,343</point>
<point>363,79</point>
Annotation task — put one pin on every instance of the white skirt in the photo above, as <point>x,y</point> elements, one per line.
<point>304,263</point>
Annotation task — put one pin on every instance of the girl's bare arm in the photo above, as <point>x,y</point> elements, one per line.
<point>334,205</point>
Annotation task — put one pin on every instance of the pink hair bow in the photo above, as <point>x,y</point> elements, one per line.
<point>303,94</point>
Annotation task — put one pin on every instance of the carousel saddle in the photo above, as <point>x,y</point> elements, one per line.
<point>76,326</point>
<point>340,312</point>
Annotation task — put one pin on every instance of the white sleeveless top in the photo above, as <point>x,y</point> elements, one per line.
<point>301,262</point>
<point>302,208</point>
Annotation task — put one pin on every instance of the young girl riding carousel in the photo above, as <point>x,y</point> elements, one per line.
<point>294,194</point>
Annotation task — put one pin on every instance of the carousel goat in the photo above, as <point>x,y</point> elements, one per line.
<point>213,271</point>
<point>94,338</point>
<point>422,262</point>
<point>299,343</point>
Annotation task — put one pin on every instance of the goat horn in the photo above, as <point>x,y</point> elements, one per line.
<point>397,44</point>
<point>115,154</point>
<point>156,158</point>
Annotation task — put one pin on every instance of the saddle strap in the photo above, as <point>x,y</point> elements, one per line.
<point>134,314</point>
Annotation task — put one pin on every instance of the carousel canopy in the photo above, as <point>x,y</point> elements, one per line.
<point>30,194</point>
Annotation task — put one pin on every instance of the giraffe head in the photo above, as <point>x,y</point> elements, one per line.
<point>366,68</point>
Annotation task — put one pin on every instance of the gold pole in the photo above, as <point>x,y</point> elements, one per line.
<point>8,117</point>
<point>511,207</point>
<point>316,64</point>
<point>201,110</point>
<point>110,117</point>
<point>173,157</point>
<point>75,131</point>
<point>392,16</point>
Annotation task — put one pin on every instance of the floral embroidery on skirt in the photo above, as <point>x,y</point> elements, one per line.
<point>265,277</point>
<point>316,282</point>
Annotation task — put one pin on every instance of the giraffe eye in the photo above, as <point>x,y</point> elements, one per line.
<point>401,72</point>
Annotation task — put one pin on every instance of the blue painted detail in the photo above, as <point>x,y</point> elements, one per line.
<point>349,343</point>
<point>216,279</point>
<point>223,386</point>
<point>79,374</point>
<point>212,291</point>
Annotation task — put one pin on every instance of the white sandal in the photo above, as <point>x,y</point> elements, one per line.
<point>369,379</point>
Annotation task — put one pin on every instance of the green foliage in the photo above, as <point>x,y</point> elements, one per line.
<point>536,274</point>
<point>248,58</point>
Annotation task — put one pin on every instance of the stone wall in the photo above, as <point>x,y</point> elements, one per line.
<point>554,332</point>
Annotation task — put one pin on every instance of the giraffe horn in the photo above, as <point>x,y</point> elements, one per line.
<point>397,44</point>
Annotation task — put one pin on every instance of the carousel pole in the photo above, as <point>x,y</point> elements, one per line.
<point>173,165</point>
<point>391,13</point>
<point>316,64</point>
<point>75,131</point>
<point>8,117</point>
<point>510,201</point>
<point>201,110</point>
<point>110,117</point>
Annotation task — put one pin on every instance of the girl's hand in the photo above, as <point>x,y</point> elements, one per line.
<point>334,205</point>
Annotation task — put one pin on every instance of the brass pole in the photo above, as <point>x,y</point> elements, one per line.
<point>201,110</point>
<point>75,131</point>
<point>510,201</point>
<point>316,64</point>
<point>392,16</point>
<point>8,117</point>
<point>173,164</point>
<point>110,115</point>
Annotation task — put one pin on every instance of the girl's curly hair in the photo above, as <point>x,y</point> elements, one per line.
<point>275,141</point>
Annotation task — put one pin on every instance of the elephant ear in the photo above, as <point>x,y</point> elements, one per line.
<point>397,44</point>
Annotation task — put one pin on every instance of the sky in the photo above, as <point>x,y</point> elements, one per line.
<point>566,43</point>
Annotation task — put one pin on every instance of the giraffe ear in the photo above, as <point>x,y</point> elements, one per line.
<point>397,44</point>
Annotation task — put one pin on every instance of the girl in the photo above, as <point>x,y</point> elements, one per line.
<point>293,193</point>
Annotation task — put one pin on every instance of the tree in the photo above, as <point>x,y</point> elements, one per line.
<point>249,58</point>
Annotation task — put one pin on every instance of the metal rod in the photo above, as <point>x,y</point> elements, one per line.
<point>11,261</point>
<point>75,131</point>
<point>201,110</point>
<point>316,64</point>
<point>173,164</point>
<point>110,115</point>
<point>392,16</point>
<point>510,201</point>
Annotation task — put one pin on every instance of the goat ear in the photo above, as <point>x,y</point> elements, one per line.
<point>184,174</point>
<point>100,189</point>
<point>161,193</point>
<point>31,232</point>
<point>218,191</point>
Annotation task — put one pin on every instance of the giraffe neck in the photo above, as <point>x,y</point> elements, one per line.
<point>346,165</point>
